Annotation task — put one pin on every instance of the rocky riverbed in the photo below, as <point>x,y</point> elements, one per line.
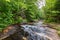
<point>38,31</point>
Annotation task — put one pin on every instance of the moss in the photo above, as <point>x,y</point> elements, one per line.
<point>58,28</point>
<point>59,33</point>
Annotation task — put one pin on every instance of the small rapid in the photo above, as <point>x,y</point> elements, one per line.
<point>36,32</point>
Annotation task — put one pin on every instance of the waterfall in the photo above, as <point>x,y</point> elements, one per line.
<point>41,3</point>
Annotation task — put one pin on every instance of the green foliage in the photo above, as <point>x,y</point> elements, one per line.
<point>52,11</point>
<point>17,11</point>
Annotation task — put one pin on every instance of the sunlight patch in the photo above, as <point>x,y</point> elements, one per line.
<point>8,0</point>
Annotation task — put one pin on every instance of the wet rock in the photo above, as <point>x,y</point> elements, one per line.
<point>12,32</point>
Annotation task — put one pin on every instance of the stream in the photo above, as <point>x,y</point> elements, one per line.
<point>38,32</point>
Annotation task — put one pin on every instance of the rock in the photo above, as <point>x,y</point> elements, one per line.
<point>12,32</point>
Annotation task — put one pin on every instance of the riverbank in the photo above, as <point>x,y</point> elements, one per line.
<point>55,26</point>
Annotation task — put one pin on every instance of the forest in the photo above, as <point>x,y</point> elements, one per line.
<point>28,11</point>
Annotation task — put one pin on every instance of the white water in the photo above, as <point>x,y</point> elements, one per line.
<point>41,3</point>
<point>37,32</point>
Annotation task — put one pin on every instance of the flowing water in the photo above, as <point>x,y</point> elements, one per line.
<point>36,32</point>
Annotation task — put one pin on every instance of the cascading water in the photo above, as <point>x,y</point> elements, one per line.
<point>41,3</point>
<point>37,32</point>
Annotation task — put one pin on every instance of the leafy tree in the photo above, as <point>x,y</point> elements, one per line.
<point>16,11</point>
<point>52,11</point>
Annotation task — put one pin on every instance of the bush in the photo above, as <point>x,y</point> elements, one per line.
<point>17,11</point>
